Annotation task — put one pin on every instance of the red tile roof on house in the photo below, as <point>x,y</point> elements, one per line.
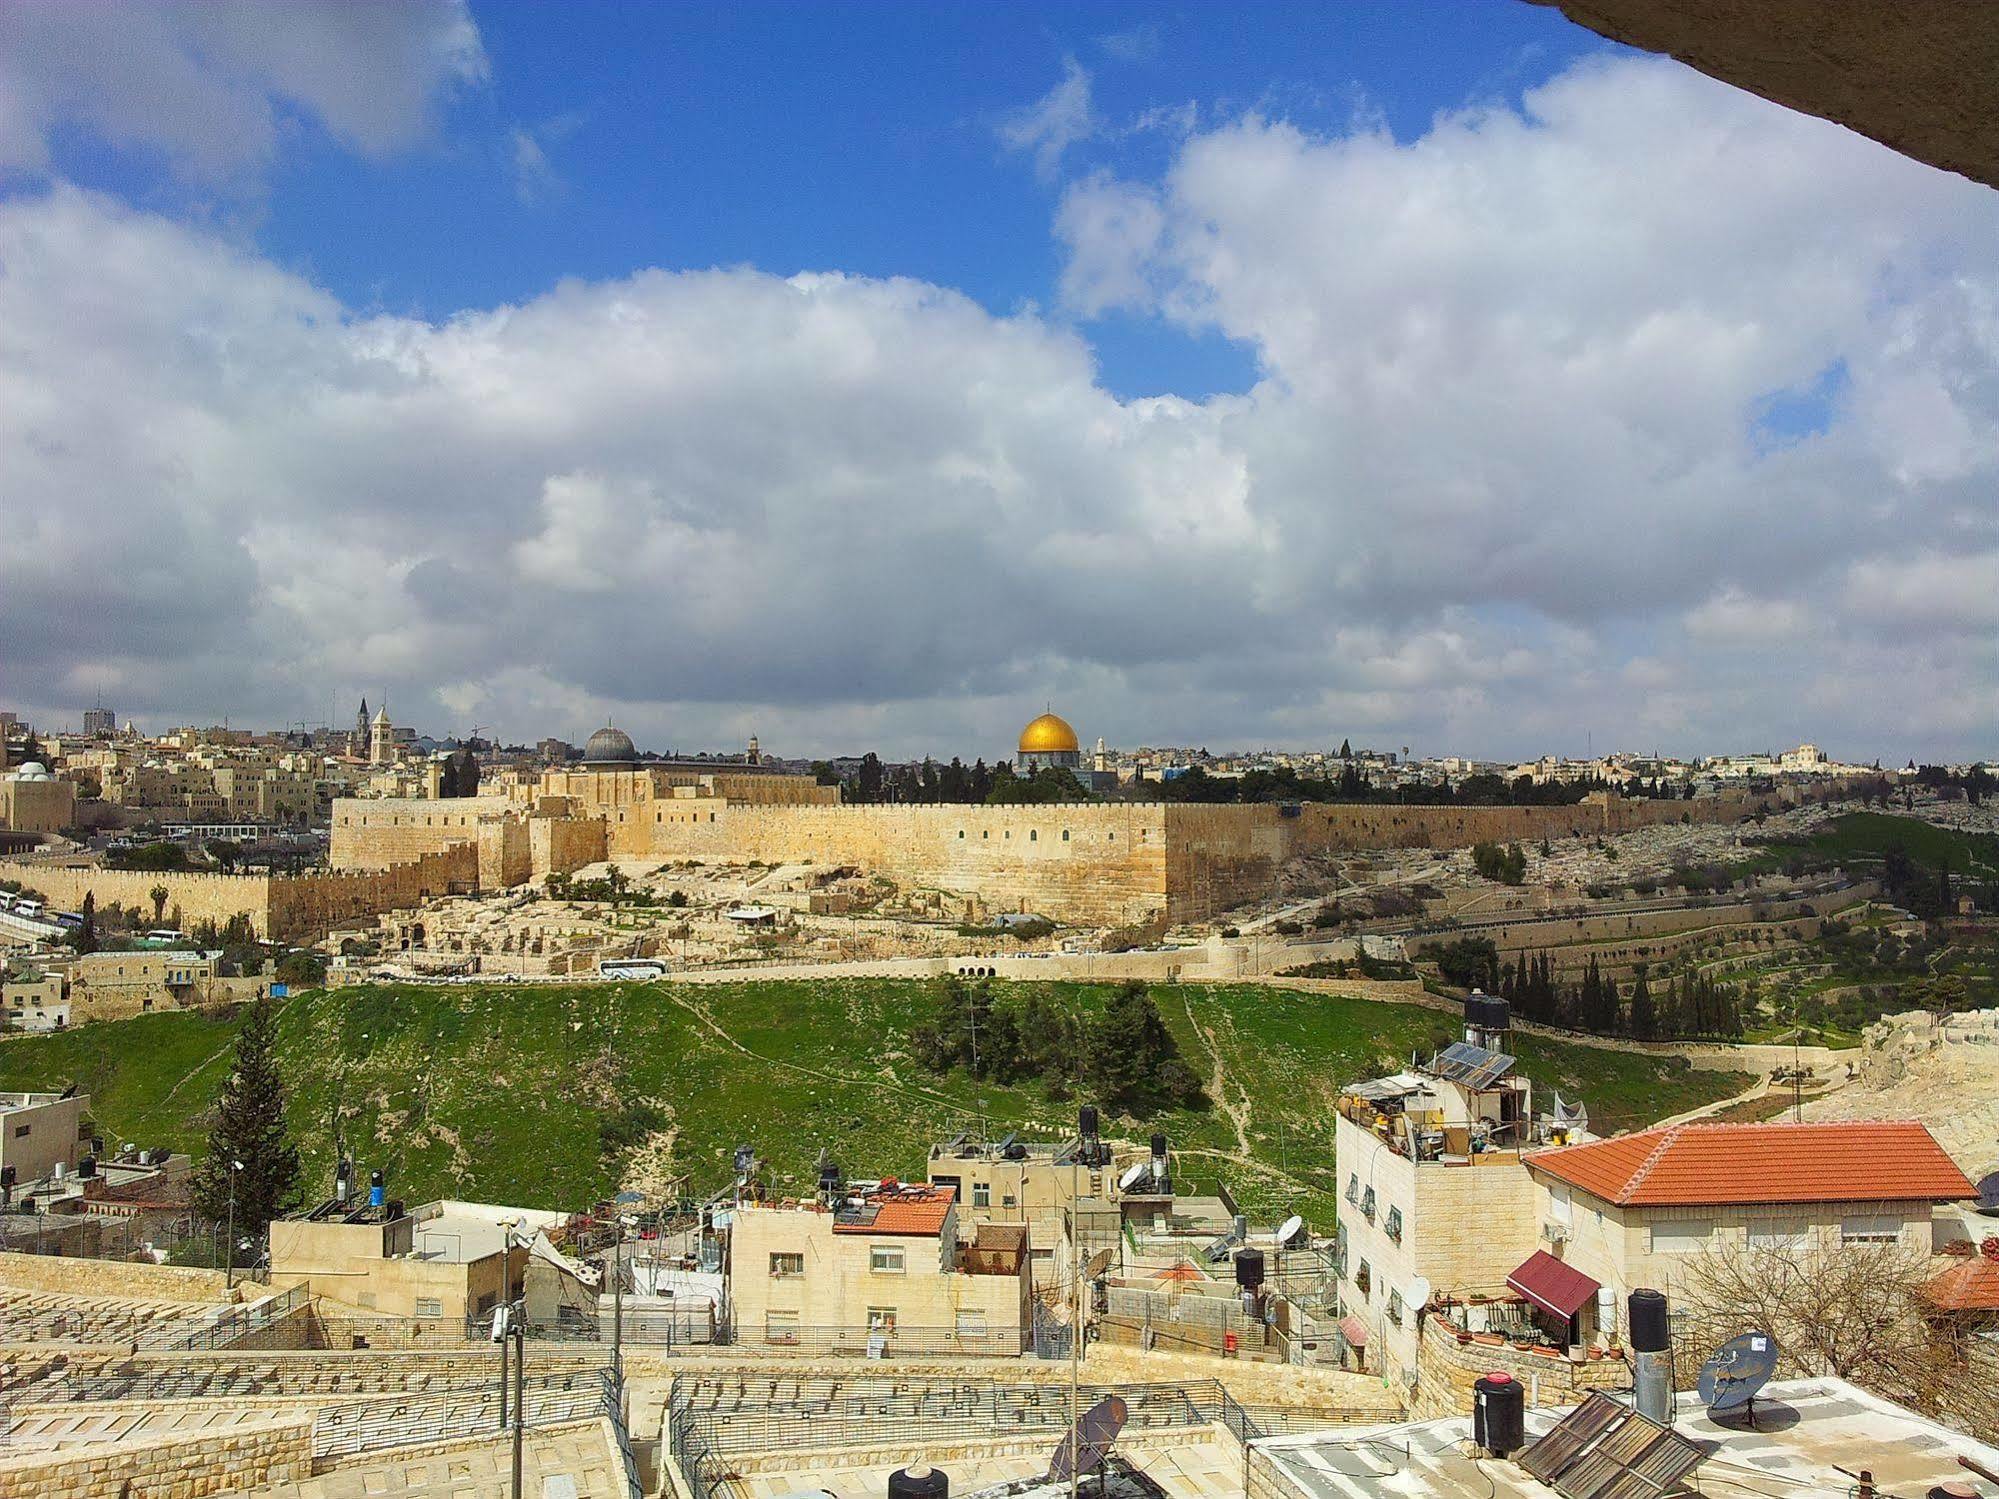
<point>1686,1165</point>
<point>1552,1285</point>
<point>911,1212</point>
<point>1970,1287</point>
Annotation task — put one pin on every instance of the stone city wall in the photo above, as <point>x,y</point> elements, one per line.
<point>198,897</point>
<point>1340,828</point>
<point>298,907</point>
<point>1109,862</point>
<point>376,833</point>
<point>1091,862</point>
<point>307,906</point>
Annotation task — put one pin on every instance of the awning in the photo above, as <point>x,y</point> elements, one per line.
<point>1552,1285</point>
<point>1354,1331</point>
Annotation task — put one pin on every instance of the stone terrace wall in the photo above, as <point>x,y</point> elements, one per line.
<point>198,897</point>
<point>188,1466</point>
<point>1447,1370</point>
<point>132,1280</point>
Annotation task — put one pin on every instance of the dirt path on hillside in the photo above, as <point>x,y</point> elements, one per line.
<point>886,1085</point>
<point>1218,1081</point>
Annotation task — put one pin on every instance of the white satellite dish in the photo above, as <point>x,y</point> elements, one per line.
<point>1132,1177</point>
<point>1288,1229</point>
<point>1419,1294</point>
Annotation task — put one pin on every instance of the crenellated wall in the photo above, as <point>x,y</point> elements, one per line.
<point>1095,862</point>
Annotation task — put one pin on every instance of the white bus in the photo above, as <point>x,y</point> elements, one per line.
<point>163,936</point>
<point>631,968</point>
<point>25,905</point>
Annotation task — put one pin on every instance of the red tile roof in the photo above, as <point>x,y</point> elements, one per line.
<point>1970,1287</point>
<point>1552,1285</point>
<point>1686,1165</point>
<point>915,1213</point>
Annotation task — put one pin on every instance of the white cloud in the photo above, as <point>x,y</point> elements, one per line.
<point>1498,484</point>
<point>210,84</point>
<point>1059,119</point>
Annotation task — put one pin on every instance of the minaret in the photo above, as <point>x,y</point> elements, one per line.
<point>755,755</point>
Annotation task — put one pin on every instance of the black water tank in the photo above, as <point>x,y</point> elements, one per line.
<point>830,1180</point>
<point>1647,1311</point>
<point>1086,1120</point>
<point>1158,1145</point>
<point>87,1167</point>
<point>919,1481</point>
<point>1499,1413</point>
<point>1249,1269</point>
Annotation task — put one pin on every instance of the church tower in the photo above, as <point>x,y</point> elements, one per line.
<point>359,745</point>
<point>382,739</point>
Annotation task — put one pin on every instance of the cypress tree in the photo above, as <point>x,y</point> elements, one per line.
<point>1644,1019</point>
<point>250,1127</point>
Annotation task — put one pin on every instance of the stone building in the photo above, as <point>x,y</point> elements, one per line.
<point>33,801</point>
<point>1636,1210</point>
<point>883,1263</point>
<point>1436,1198</point>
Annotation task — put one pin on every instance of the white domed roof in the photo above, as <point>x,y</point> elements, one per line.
<point>33,770</point>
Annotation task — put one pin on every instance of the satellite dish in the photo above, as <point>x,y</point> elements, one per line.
<point>1132,1177</point>
<point>1988,1194</point>
<point>1288,1229</point>
<point>1419,1294</point>
<point>1099,1263</point>
<point>1084,1448</point>
<point>1734,1373</point>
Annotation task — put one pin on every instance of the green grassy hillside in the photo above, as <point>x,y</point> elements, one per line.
<point>550,1096</point>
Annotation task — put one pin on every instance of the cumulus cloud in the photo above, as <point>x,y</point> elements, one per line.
<point>210,84</point>
<point>1500,482</point>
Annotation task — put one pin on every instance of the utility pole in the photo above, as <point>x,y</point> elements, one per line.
<point>618,1310</point>
<point>229,1272</point>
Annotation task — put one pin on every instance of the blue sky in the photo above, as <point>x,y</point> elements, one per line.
<point>871,376</point>
<point>859,138</point>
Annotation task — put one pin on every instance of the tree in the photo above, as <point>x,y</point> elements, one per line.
<point>465,766</point>
<point>250,1128</point>
<point>1856,1311</point>
<point>1470,963</point>
<point>158,858</point>
<point>1134,1062</point>
<point>83,936</point>
<point>158,896</point>
<point>224,852</point>
<point>1644,1017</point>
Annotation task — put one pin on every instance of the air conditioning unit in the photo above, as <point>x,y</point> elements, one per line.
<point>1555,1233</point>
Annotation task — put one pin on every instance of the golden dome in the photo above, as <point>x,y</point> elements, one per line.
<point>1048,735</point>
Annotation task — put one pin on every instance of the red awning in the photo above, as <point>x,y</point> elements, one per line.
<point>1354,1331</point>
<point>1552,1285</point>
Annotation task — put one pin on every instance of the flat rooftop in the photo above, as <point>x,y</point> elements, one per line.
<point>1207,1467</point>
<point>1810,1436</point>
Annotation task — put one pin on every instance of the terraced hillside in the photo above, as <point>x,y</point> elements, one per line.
<point>551,1096</point>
